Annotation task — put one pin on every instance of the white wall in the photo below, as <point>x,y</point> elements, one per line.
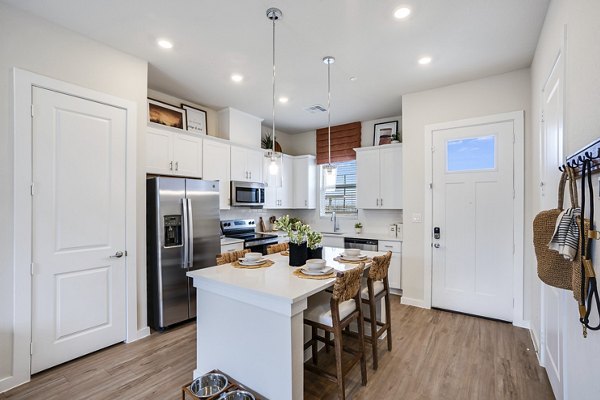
<point>492,95</point>
<point>36,45</point>
<point>582,125</point>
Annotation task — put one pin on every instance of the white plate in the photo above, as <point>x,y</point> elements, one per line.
<point>352,258</point>
<point>316,272</point>
<point>252,262</point>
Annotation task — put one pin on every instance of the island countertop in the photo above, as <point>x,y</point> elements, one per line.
<point>277,281</point>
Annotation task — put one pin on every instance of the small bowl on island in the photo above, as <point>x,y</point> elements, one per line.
<point>352,252</point>
<point>315,264</point>
<point>252,256</point>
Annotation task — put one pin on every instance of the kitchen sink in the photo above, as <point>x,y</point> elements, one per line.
<point>332,233</point>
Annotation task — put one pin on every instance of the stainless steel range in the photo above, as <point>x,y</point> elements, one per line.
<point>245,229</point>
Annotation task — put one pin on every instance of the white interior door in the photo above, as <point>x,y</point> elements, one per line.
<point>78,289</point>
<point>552,155</point>
<point>473,209</point>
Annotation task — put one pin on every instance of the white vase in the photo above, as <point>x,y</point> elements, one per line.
<point>358,230</point>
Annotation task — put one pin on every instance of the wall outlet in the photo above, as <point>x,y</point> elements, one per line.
<point>417,218</point>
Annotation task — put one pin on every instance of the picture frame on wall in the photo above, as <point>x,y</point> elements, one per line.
<point>384,132</point>
<point>166,114</point>
<point>195,119</point>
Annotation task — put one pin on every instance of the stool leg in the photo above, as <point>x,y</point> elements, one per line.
<point>388,319</point>
<point>337,344</point>
<point>374,338</point>
<point>328,339</point>
<point>314,345</point>
<point>361,340</point>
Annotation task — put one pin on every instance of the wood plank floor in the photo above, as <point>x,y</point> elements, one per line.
<point>436,355</point>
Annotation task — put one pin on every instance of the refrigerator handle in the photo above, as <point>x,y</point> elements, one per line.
<point>190,234</point>
<point>186,233</point>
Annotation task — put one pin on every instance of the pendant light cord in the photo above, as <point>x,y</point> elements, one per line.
<point>329,110</point>
<point>273,155</point>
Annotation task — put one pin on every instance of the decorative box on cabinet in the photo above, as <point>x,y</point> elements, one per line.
<point>379,177</point>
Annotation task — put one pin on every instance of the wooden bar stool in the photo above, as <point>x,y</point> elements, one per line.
<point>332,314</point>
<point>377,287</point>
<point>231,256</point>
<point>277,248</point>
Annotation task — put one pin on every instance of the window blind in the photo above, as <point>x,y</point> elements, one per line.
<point>343,199</point>
<point>343,139</point>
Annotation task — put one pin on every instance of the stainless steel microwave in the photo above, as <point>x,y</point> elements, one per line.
<point>247,194</point>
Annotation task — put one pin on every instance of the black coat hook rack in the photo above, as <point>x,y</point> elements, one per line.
<point>590,152</point>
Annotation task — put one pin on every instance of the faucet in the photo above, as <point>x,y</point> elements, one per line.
<point>336,227</point>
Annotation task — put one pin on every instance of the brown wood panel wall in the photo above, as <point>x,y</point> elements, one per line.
<point>343,139</point>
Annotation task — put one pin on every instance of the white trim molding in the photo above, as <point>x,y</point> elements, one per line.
<point>517,118</point>
<point>22,84</point>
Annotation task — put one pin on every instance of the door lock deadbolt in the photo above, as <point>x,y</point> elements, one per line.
<point>436,232</point>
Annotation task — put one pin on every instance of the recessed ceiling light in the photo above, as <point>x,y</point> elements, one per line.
<point>402,13</point>
<point>353,78</point>
<point>283,100</point>
<point>237,78</point>
<point>165,44</point>
<point>424,60</point>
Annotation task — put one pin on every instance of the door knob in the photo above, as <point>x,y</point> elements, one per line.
<point>118,254</point>
<point>436,245</point>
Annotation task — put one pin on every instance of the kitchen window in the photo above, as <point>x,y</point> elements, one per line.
<point>343,199</point>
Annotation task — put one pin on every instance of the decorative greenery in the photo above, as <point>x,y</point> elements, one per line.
<point>267,141</point>
<point>358,225</point>
<point>295,229</point>
<point>314,239</point>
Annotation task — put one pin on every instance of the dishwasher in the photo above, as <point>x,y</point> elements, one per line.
<point>363,244</point>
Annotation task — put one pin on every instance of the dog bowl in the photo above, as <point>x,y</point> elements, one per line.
<point>209,385</point>
<point>237,395</point>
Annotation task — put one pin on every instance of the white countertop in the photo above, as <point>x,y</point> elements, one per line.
<point>276,282</point>
<point>227,240</point>
<point>374,236</point>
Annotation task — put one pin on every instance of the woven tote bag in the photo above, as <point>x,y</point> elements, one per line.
<point>552,268</point>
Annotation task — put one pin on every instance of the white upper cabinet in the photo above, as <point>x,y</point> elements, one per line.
<point>216,167</point>
<point>246,164</point>
<point>305,182</point>
<point>239,127</point>
<point>282,197</point>
<point>173,153</point>
<point>379,177</point>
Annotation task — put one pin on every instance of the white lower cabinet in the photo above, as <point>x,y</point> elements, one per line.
<point>333,241</point>
<point>395,271</point>
<point>225,248</point>
<point>173,153</point>
<point>216,167</point>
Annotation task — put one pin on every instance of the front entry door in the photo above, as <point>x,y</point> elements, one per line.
<point>79,291</point>
<point>473,218</point>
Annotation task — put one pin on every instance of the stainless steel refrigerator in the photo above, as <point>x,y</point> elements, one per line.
<point>183,234</point>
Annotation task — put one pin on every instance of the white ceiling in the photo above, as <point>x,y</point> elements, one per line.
<point>467,39</point>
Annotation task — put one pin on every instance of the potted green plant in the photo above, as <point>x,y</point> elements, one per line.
<point>396,137</point>
<point>358,227</point>
<point>297,232</point>
<point>315,246</point>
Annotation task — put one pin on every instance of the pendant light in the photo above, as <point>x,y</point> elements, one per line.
<point>273,162</point>
<point>329,170</point>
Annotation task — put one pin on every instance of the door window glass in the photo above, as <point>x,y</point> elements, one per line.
<point>471,154</point>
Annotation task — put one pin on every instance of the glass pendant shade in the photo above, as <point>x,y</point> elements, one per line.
<point>273,169</point>
<point>329,177</point>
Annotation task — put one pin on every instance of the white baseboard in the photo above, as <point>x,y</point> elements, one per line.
<point>536,345</point>
<point>413,302</point>
<point>521,323</point>
<point>141,333</point>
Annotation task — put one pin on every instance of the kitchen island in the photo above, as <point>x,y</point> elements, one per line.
<point>250,323</point>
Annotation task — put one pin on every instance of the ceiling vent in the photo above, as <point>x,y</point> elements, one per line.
<point>314,109</point>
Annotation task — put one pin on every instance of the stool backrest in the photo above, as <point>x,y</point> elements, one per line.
<point>231,256</point>
<point>277,248</point>
<point>347,284</point>
<point>380,266</point>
